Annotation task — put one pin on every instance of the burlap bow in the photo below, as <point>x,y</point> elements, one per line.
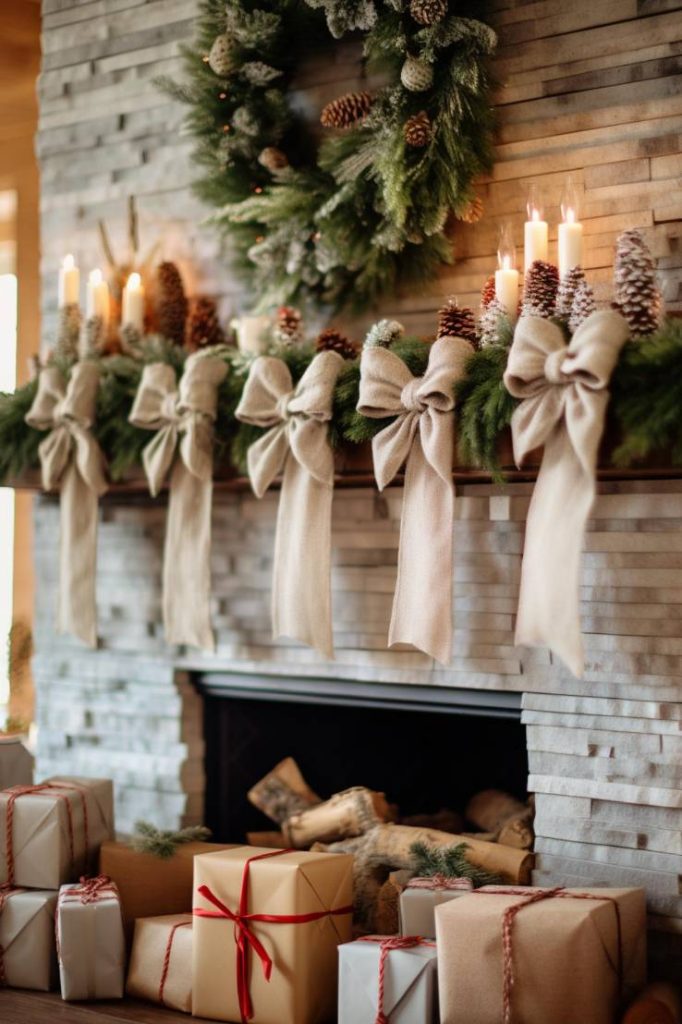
<point>183,419</point>
<point>423,434</point>
<point>71,460</point>
<point>296,445</point>
<point>565,397</point>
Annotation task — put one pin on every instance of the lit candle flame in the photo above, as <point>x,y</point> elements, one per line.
<point>95,277</point>
<point>535,215</point>
<point>506,263</point>
<point>134,281</point>
<point>69,262</point>
<point>570,215</point>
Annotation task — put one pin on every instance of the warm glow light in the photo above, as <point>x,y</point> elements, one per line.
<point>506,250</point>
<point>569,203</point>
<point>69,262</point>
<point>134,281</point>
<point>95,277</point>
<point>569,216</point>
<point>535,215</point>
<point>506,263</point>
<point>534,204</point>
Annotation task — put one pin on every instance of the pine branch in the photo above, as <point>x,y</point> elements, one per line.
<point>483,409</point>
<point>163,843</point>
<point>450,861</point>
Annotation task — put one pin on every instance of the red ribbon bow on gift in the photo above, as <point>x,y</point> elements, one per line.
<point>245,937</point>
<point>386,944</point>
<point>90,890</point>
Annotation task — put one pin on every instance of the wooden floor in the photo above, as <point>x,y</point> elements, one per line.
<point>48,1008</point>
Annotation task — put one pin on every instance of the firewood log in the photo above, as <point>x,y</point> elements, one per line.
<point>283,792</point>
<point>349,813</point>
<point>274,840</point>
<point>387,915</point>
<point>501,814</point>
<point>659,1003</point>
<point>386,848</point>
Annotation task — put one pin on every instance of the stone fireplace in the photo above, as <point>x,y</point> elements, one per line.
<point>603,753</point>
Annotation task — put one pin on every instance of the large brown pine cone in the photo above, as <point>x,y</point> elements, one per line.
<point>172,302</point>
<point>457,322</point>
<point>203,325</point>
<point>539,296</point>
<point>331,340</point>
<point>346,110</point>
<point>418,130</point>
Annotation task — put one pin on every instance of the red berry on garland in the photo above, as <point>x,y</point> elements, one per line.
<point>346,110</point>
<point>539,296</point>
<point>457,322</point>
<point>332,340</point>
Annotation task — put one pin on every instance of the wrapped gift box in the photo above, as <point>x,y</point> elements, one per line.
<point>57,830</point>
<point>564,954</point>
<point>410,988</point>
<point>90,943</point>
<point>16,763</point>
<point>161,961</point>
<point>421,896</point>
<point>309,895</point>
<point>151,886</point>
<point>28,958</point>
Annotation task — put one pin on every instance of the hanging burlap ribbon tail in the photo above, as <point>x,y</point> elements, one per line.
<point>183,419</point>
<point>71,460</point>
<point>564,400</point>
<point>297,445</point>
<point>423,433</point>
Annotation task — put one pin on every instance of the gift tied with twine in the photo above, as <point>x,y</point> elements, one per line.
<point>6,891</point>
<point>245,935</point>
<point>165,967</point>
<point>71,460</point>
<point>386,944</point>
<point>440,883</point>
<point>296,444</point>
<point>60,790</point>
<point>536,896</point>
<point>564,396</point>
<point>183,419</point>
<point>423,434</point>
<point>88,891</point>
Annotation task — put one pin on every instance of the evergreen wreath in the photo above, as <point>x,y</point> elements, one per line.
<point>372,208</point>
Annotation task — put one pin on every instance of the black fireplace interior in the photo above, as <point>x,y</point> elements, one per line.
<point>424,748</point>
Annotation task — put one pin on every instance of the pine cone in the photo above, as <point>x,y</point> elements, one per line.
<point>637,296</point>
<point>457,322</point>
<point>273,159</point>
<point>172,302</point>
<point>95,336</point>
<point>203,326</point>
<point>418,130</point>
<point>384,333</point>
<point>539,296</point>
<point>583,304</point>
<point>346,110</point>
<point>289,326</point>
<point>488,292</point>
<point>566,292</point>
<point>490,322</point>
<point>473,212</point>
<point>332,340</point>
<point>68,332</point>
<point>416,75</point>
<point>428,12</point>
<point>220,58</point>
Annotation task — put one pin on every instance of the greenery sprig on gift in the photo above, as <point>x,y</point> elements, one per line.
<point>163,843</point>
<point>450,861</point>
<point>369,210</point>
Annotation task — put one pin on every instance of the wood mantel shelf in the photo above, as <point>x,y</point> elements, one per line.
<point>19,1007</point>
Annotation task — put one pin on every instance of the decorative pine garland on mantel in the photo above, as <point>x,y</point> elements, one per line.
<point>372,208</point>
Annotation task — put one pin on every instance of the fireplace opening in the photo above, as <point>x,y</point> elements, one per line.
<point>427,749</point>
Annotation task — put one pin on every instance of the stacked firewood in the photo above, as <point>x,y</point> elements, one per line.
<point>362,822</point>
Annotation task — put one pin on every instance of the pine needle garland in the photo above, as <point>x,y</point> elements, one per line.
<point>163,843</point>
<point>450,861</point>
<point>483,408</point>
<point>18,442</point>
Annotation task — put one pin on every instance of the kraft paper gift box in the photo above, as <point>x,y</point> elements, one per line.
<point>161,961</point>
<point>56,830</point>
<point>307,899</point>
<point>421,896</point>
<point>28,957</point>
<point>152,886</point>
<point>16,763</point>
<point>90,942</point>
<point>410,990</point>
<point>564,955</point>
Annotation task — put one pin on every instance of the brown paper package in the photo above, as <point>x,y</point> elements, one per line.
<point>565,956</point>
<point>150,886</point>
<point>303,985</point>
<point>40,833</point>
<point>27,940</point>
<point>145,973</point>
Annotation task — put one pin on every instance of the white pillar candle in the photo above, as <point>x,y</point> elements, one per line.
<point>97,297</point>
<point>507,287</point>
<point>69,282</point>
<point>570,244</point>
<point>535,236</point>
<point>132,314</point>
<point>253,334</point>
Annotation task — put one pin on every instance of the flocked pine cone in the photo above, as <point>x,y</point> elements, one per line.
<point>346,110</point>
<point>489,323</point>
<point>332,340</point>
<point>383,334</point>
<point>289,326</point>
<point>473,212</point>
<point>68,332</point>
<point>220,58</point>
<point>172,302</point>
<point>203,325</point>
<point>428,12</point>
<point>457,322</point>
<point>539,295</point>
<point>273,159</point>
<point>637,295</point>
<point>418,130</point>
<point>566,291</point>
<point>488,292</point>
<point>583,304</point>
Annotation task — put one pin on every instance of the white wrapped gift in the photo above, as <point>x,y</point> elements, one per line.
<point>27,945</point>
<point>388,977</point>
<point>90,940</point>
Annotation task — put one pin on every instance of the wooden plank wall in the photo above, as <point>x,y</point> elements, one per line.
<point>592,88</point>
